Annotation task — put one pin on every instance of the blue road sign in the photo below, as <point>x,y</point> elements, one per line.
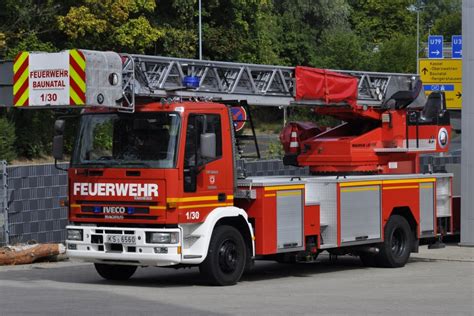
<point>435,46</point>
<point>438,87</point>
<point>456,42</point>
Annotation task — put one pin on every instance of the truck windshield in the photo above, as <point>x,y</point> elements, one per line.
<point>125,140</point>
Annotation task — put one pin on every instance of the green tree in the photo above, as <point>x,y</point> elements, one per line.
<point>379,20</point>
<point>397,55</point>
<point>28,25</point>
<point>7,140</point>
<point>34,131</point>
<point>303,24</point>
<point>342,49</point>
<point>441,17</point>
<point>30,42</point>
<point>3,42</point>
<point>107,24</point>
<point>177,19</point>
<point>240,30</point>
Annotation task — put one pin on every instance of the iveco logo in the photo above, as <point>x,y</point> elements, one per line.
<point>114,209</point>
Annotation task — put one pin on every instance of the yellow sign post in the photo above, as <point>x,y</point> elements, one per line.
<point>443,75</point>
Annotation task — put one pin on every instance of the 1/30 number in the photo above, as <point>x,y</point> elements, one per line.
<point>49,97</point>
<point>192,215</point>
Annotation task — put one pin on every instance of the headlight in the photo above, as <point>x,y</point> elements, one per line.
<point>162,238</point>
<point>74,234</point>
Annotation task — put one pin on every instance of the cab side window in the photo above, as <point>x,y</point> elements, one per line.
<point>201,126</point>
<point>203,145</point>
<point>213,126</point>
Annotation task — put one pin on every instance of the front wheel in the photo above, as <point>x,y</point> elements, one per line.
<point>115,272</point>
<point>226,257</point>
<point>397,245</point>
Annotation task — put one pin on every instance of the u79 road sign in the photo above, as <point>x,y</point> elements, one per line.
<point>435,46</point>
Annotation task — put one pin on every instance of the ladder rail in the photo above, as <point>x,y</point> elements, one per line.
<point>262,85</point>
<point>230,81</point>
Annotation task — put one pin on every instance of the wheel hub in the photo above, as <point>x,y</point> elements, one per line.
<point>398,242</point>
<point>228,256</point>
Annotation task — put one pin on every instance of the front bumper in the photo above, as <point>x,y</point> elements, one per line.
<point>94,248</point>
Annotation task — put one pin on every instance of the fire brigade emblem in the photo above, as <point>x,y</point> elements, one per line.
<point>212,179</point>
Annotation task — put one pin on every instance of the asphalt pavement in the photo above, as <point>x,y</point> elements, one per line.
<point>434,282</point>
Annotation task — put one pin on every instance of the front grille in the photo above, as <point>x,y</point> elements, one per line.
<point>97,239</point>
<point>116,247</point>
<point>130,203</point>
<point>145,217</point>
<point>96,209</point>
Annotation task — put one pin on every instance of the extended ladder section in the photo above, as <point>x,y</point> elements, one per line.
<point>266,85</point>
<point>93,78</point>
<point>155,76</point>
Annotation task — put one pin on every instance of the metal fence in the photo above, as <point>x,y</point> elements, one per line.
<point>30,196</point>
<point>4,237</point>
<point>32,208</point>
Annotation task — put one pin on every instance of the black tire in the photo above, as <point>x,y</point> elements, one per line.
<point>115,272</point>
<point>397,245</point>
<point>226,258</point>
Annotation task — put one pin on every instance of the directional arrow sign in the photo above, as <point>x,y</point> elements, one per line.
<point>435,46</point>
<point>456,46</point>
<point>443,75</point>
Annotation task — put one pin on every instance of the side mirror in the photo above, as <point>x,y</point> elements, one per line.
<point>58,147</point>
<point>58,142</point>
<point>208,145</point>
<point>59,126</point>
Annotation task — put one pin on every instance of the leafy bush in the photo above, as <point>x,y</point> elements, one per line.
<point>7,140</point>
<point>275,150</point>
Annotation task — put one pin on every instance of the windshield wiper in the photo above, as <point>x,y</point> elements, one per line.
<point>103,163</point>
<point>134,163</point>
<point>94,163</point>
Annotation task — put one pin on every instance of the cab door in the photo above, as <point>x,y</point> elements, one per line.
<point>207,168</point>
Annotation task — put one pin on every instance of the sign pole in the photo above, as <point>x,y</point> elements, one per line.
<point>200,31</point>
<point>467,139</point>
<point>417,40</point>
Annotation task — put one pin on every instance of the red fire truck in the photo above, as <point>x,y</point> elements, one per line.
<point>153,178</point>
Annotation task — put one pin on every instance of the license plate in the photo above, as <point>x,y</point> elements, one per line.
<point>120,239</point>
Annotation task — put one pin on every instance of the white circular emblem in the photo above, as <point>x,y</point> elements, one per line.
<point>443,137</point>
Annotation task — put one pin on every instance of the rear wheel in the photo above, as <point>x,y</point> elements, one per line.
<point>115,272</point>
<point>397,245</point>
<point>226,257</point>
